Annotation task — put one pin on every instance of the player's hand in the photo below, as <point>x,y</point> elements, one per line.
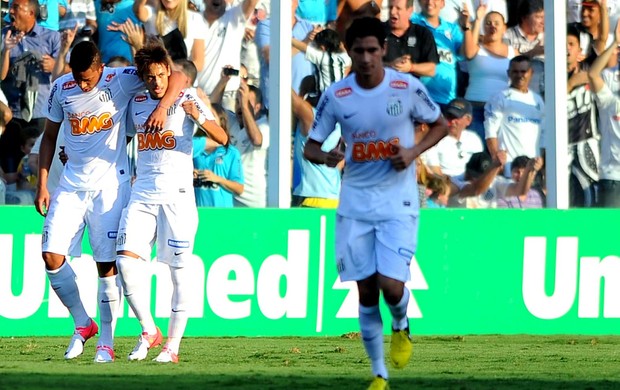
<point>190,109</point>
<point>401,157</point>
<point>63,156</point>
<point>156,120</point>
<point>334,156</point>
<point>66,38</point>
<point>42,200</point>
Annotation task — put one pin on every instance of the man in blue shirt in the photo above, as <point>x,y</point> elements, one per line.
<point>449,39</point>
<point>28,57</point>
<point>110,42</point>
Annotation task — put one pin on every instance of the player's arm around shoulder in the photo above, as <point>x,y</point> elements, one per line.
<point>199,112</point>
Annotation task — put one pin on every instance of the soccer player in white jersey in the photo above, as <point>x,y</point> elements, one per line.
<point>92,102</point>
<point>377,217</point>
<point>162,207</point>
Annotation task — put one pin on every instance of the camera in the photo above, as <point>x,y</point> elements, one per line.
<point>231,72</point>
<point>203,183</point>
<point>43,14</point>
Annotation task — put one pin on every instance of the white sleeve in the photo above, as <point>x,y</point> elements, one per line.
<point>324,120</point>
<point>314,54</point>
<point>128,80</point>
<point>424,110</point>
<point>54,109</point>
<point>493,116</point>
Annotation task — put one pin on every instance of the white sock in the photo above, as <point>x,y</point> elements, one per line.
<point>64,285</point>
<point>109,298</point>
<point>371,327</point>
<point>399,312</point>
<point>135,279</point>
<point>180,300</point>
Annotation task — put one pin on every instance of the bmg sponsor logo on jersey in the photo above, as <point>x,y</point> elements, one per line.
<point>156,141</point>
<point>374,150</point>
<point>91,124</point>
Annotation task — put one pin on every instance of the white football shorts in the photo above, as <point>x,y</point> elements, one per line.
<point>172,226</point>
<point>71,212</point>
<point>364,248</point>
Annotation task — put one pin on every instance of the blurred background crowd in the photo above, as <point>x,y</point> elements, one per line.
<point>481,61</point>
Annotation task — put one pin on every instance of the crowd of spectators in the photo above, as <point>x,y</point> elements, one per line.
<point>481,61</point>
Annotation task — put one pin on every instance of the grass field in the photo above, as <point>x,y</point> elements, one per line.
<point>469,362</point>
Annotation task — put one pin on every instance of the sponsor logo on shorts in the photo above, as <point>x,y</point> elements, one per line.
<point>178,244</point>
<point>69,85</point>
<point>344,92</point>
<point>112,234</point>
<point>399,84</point>
<point>44,237</point>
<point>121,239</point>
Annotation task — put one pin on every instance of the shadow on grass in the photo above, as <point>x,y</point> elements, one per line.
<point>258,381</point>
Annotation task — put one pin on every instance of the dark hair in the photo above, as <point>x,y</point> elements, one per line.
<point>520,58</point>
<point>572,29</point>
<point>329,39</point>
<point>528,7</point>
<point>365,27</point>
<point>519,162</point>
<point>29,132</point>
<point>84,56</point>
<point>153,52</point>
<point>188,68</point>
<point>477,165</point>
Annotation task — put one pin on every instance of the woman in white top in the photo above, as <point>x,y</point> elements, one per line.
<point>170,18</point>
<point>488,59</point>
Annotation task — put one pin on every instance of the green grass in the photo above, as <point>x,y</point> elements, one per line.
<point>469,362</point>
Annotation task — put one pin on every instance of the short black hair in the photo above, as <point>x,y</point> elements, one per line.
<point>573,29</point>
<point>520,58</point>
<point>84,56</point>
<point>519,162</point>
<point>256,91</point>
<point>477,164</point>
<point>528,7</point>
<point>365,27</point>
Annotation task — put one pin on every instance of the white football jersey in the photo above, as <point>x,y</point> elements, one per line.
<point>94,129</point>
<point>372,120</point>
<point>165,166</point>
